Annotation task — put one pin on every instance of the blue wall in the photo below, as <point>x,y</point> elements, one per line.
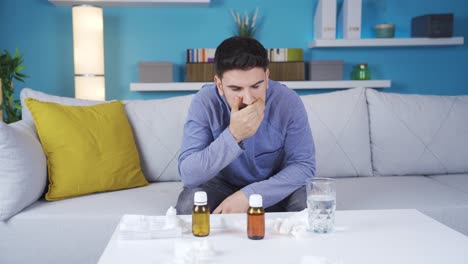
<point>43,33</point>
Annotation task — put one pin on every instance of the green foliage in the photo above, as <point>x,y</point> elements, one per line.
<point>10,67</point>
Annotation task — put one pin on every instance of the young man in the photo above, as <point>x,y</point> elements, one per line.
<point>245,134</point>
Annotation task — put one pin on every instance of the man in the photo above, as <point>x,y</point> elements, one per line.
<point>245,134</point>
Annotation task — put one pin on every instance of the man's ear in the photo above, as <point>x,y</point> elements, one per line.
<point>219,85</point>
<point>267,72</point>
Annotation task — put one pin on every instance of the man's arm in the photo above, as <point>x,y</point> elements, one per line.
<point>202,157</point>
<point>298,164</point>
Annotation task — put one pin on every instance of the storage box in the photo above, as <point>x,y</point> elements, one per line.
<point>432,26</point>
<point>287,71</point>
<point>331,70</point>
<point>154,72</point>
<point>279,71</point>
<point>199,72</point>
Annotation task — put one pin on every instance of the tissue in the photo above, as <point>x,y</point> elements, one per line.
<point>142,227</point>
<point>193,252</point>
<point>295,225</point>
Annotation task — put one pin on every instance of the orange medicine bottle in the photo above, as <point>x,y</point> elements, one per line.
<point>255,218</point>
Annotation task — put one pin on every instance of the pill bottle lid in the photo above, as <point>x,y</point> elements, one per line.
<point>200,198</point>
<point>255,200</point>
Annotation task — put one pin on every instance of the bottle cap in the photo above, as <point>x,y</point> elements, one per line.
<point>200,198</point>
<point>255,200</point>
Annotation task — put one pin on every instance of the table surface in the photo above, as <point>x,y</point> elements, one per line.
<point>363,236</point>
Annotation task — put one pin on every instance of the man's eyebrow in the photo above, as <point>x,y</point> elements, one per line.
<point>232,86</point>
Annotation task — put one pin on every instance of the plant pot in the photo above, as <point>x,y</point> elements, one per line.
<point>385,30</point>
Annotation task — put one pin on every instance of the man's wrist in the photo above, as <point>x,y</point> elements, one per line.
<point>234,136</point>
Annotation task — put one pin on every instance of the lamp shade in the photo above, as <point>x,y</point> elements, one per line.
<point>88,52</point>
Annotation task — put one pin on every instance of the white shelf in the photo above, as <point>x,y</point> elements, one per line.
<point>297,85</point>
<point>132,3</point>
<point>385,42</point>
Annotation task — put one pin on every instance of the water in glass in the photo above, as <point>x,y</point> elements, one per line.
<point>321,212</point>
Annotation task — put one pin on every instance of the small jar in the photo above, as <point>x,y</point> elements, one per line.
<point>200,215</point>
<point>255,218</point>
<point>361,72</point>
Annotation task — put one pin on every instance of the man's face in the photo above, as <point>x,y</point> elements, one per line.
<point>249,85</point>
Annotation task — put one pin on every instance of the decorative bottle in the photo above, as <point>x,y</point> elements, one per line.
<point>200,215</point>
<point>361,72</point>
<point>255,218</point>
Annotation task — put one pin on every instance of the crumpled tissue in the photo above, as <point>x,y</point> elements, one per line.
<point>193,252</point>
<point>295,225</point>
<point>141,227</point>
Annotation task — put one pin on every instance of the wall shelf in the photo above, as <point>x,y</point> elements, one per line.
<point>385,42</point>
<point>296,85</point>
<point>132,3</point>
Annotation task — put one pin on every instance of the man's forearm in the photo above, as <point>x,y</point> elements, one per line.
<point>199,167</point>
<point>282,184</point>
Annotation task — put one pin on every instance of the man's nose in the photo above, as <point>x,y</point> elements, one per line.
<point>248,98</point>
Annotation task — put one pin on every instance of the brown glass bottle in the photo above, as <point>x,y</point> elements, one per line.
<point>200,215</point>
<point>255,218</point>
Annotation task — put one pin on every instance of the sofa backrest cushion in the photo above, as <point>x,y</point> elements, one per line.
<point>23,172</point>
<point>340,126</point>
<point>157,127</point>
<point>418,134</point>
<point>26,92</point>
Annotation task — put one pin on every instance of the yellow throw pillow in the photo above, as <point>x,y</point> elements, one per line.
<point>88,148</point>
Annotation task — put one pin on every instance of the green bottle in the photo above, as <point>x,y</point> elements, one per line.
<point>361,72</point>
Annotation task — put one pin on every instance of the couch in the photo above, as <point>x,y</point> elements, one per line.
<point>386,151</point>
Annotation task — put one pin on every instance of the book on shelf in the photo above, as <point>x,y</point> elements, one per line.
<point>285,54</point>
<point>325,20</point>
<point>350,18</point>
<point>200,55</point>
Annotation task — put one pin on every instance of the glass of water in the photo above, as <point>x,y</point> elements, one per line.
<point>321,204</point>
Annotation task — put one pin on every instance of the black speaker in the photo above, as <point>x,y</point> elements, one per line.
<point>432,26</point>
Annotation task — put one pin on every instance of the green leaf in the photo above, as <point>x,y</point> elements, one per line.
<point>20,68</point>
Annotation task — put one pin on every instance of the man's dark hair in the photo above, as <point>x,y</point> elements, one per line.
<point>240,53</point>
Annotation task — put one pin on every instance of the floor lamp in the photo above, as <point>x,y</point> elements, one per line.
<point>88,52</point>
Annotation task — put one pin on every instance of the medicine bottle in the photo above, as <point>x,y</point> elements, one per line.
<point>255,218</point>
<point>200,215</point>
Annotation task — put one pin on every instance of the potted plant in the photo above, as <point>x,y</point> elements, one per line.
<point>247,24</point>
<point>10,67</point>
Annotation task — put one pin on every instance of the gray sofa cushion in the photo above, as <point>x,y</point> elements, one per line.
<point>76,230</point>
<point>418,134</point>
<point>23,172</point>
<point>456,181</point>
<point>158,126</point>
<point>27,92</point>
<point>437,200</point>
<point>340,126</point>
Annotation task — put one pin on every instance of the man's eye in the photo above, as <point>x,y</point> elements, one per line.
<point>235,89</point>
<point>255,87</point>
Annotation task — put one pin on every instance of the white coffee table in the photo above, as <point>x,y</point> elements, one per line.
<point>360,237</point>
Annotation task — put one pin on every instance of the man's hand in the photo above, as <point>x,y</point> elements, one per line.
<point>236,203</point>
<point>245,122</point>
